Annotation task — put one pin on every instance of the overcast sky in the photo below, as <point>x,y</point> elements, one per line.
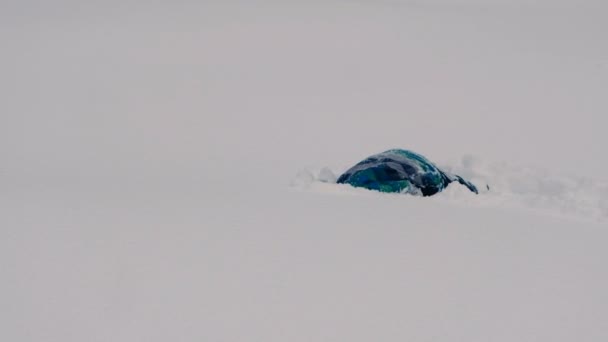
<point>138,88</point>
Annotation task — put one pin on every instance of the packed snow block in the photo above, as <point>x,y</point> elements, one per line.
<point>401,171</point>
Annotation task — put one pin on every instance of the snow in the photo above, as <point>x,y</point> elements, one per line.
<point>500,185</point>
<point>168,171</point>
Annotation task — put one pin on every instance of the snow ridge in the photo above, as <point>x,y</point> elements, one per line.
<point>501,185</point>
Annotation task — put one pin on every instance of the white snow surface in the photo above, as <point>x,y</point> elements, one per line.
<point>167,171</point>
<point>500,185</point>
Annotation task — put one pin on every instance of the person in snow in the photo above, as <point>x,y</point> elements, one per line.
<point>401,171</point>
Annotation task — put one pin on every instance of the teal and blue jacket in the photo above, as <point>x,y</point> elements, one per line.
<point>401,171</point>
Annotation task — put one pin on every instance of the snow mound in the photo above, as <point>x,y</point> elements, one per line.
<point>500,185</point>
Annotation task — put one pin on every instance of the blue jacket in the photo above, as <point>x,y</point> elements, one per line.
<point>401,171</point>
